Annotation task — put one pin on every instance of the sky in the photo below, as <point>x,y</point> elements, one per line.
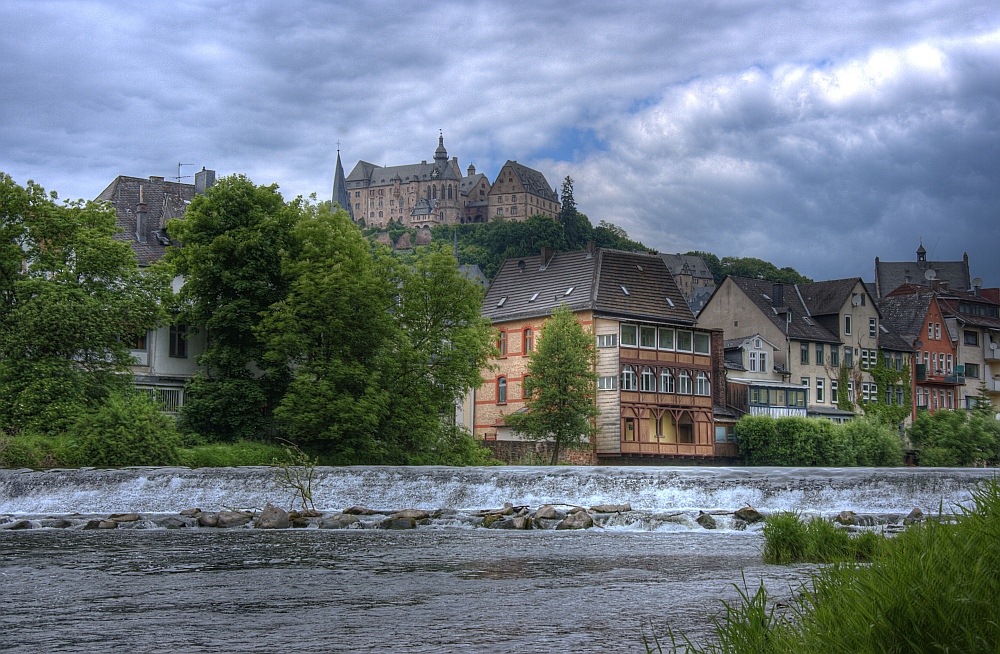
<point>815,135</point>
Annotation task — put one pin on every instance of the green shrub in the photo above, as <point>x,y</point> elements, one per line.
<point>28,449</point>
<point>785,538</point>
<point>127,430</point>
<point>455,447</point>
<point>242,453</point>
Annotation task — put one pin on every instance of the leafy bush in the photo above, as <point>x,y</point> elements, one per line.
<point>793,441</point>
<point>956,438</point>
<point>127,430</point>
<point>242,453</point>
<point>455,447</point>
<point>28,449</point>
<point>874,443</point>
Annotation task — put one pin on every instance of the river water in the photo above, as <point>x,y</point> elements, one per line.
<point>444,587</point>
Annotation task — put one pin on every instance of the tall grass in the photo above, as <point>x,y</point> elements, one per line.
<point>933,588</point>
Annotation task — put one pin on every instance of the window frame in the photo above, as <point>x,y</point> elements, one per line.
<point>644,331</point>
<point>690,337</point>
<point>502,343</point>
<point>502,389</point>
<point>629,380</point>
<point>707,343</point>
<point>669,347</point>
<point>647,380</point>
<point>177,347</point>
<point>685,385</point>
<point>703,384</point>
<point>634,329</point>
<point>668,384</point>
<point>527,341</point>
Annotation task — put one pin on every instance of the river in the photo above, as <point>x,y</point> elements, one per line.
<point>444,587</point>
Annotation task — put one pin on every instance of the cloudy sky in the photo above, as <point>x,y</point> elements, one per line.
<point>811,136</point>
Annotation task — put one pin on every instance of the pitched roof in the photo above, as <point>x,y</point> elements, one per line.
<point>471,180</point>
<point>164,200</point>
<point>890,275</point>
<point>340,196</point>
<point>801,327</point>
<point>906,314</point>
<point>529,287</point>
<point>533,181</point>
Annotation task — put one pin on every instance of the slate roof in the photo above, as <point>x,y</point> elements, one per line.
<point>164,200</point>
<point>596,279</point>
<point>949,300</point>
<point>800,328</point>
<point>696,265</point>
<point>906,314</point>
<point>340,196</point>
<point>699,298</point>
<point>828,297</point>
<point>470,181</point>
<point>890,275</point>
<point>533,181</point>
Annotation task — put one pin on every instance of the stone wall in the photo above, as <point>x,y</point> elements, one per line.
<point>536,453</point>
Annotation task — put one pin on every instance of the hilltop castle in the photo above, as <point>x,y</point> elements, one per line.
<point>436,193</point>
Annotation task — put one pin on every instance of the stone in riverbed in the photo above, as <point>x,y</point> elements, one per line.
<point>208,519</point>
<point>360,510</point>
<point>190,513</point>
<point>416,514</point>
<point>339,521</point>
<point>272,517</point>
<point>398,523</point>
<point>611,508</point>
<point>916,515</point>
<point>748,514</point>
<point>107,524</point>
<point>547,512</point>
<point>125,517</point>
<point>172,522</point>
<point>17,524</point>
<point>578,520</point>
<point>846,518</point>
<point>226,519</point>
<point>55,523</point>
<point>491,519</point>
<point>705,520</point>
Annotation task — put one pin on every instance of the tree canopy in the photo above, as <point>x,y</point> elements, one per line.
<point>750,267</point>
<point>72,299</point>
<point>562,386</point>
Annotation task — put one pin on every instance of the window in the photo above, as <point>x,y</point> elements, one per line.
<point>753,361</point>
<point>629,429</point>
<point>820,390</point>
<point>951,365</point>
<point>763,362</point>
<point>702,385</point>
<point>971,338</point>
<point>833,391</point>
<point>937,331</point>
<point>850,391</point>
<point>683,341</point>
<point>501,390</point>
<point>930,331</point>
<point>849,356</point>
<point>684,383</point>
<point>666,338</point>
<point>972,370</point>
<point>864,359</point>
<point>629,380</point>
<point>526,387</point>
<point>805,382</point>
<point>607,340</point>
<point>899,396</point>
<point>667,381</point>
<point>647,337</point>
<point>606,384</point>
<point>178,341</point>
<point>725,434</point>
<point>796,398</point>
<point>834,356</point>
<point>934,361</point>
<point>847,325</point>
<point>529,340</point>
<point>630,336</point>
<point>502,344</point>
<point>872,328</point>
<point>819,354</point>
<point>804,354</point>
<point>137,341</point>
<point>701,343</point>
<point>647,380</point>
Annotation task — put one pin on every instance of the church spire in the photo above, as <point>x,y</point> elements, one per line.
<point>441,155</point>
<point>340,195</point>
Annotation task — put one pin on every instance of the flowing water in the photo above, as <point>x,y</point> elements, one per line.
<point>444,587</point>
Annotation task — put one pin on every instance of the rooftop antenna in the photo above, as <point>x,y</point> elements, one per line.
<point>178,176</point>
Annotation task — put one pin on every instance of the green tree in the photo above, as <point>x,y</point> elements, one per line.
<point>562,386</point>
<point>576,227</point>
<point>71,299</point>
<point>232,242</point>
<point>754,268</point>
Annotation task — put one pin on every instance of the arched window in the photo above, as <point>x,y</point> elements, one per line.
<point>435,191</point>
<point>502,344</point>
<point>449,192</point>
<point>629,381</point>
<point>647,381</point>
<point>684,382</point>
<point>529,340</point>
<point>702,385</point>
<point>667,381</point>
<point>526,387</point>
<point>501,390</point>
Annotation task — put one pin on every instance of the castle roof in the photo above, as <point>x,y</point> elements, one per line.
<point>533,181</point>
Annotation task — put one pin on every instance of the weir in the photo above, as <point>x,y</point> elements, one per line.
<point>810,490</point>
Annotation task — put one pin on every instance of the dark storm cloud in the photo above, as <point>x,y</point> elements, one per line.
<point>813,135</point>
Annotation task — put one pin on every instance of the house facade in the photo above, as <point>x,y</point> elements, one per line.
<point>165,358</point>
<point>658,372</point>
<point>828,336</point>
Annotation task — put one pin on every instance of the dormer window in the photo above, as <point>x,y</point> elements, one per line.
<point>533,297</point>
<point>670,302</point>
<point>502,300</point>
<point>569,290</point>
<point>624,290</point>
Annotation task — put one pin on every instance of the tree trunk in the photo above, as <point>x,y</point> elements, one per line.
<point>555,454</point>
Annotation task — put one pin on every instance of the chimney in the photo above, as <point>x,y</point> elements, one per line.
<point>778,295</point>
<point>155,178</point>
<point>591,248</point>
<point>203,180</point>
<point>547,254</point>
<point>977,289</point>
<point>140,217</point>
<point>935,284</point>
<point>943,284</point>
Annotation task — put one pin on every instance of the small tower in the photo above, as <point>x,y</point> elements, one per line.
<point>921,252</point>
<point>440,155</point>
<point>340,194</point>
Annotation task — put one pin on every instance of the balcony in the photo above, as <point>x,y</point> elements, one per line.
<point>993,385</point>
<point>991,354</point>
<point>921,372</point>
<point>954,379</point>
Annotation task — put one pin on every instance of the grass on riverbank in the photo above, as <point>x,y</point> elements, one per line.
<point>933,588</point>
<point>787,539</point>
